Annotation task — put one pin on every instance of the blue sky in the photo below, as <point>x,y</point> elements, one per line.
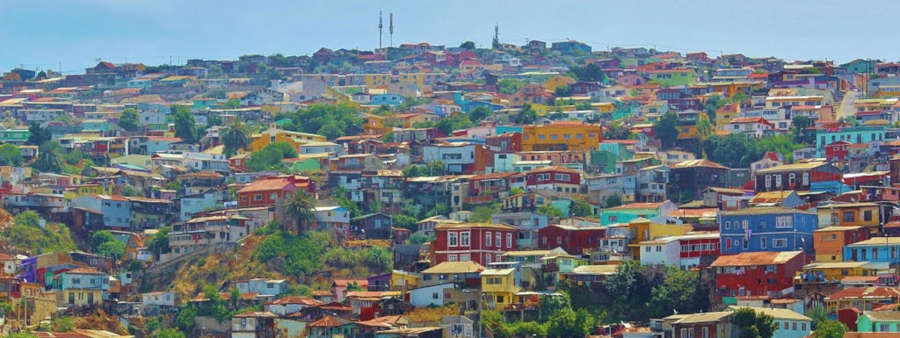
<point>45,33</point>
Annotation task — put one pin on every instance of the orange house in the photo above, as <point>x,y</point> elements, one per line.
<point>267,191</point>
<point>829,242</point>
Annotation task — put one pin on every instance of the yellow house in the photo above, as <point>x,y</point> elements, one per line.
<point>561,135</point>
<point>557,81</point>
<point>863,214</point>
<point>498,288</point>
<point>835,271</point>
<point>644,230</point>
<point>374,124</point>
<point>402,279</point>
<point>79,297</point>
<point>274,135</point>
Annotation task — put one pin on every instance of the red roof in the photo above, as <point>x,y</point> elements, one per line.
<point>296,300</point>
<point>755,258</point>
<point>866,292</point>
<point>329,321</point>
<point>363,283</point>
<point>266,184</point>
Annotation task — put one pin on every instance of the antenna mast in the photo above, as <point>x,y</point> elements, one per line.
<point>391,27</point>
<point>380,26</point>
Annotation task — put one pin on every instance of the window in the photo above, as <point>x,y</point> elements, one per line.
<point>257,197</point>
<point>464,238</point>
<point>883,327</point>
<point>487,239</point>
<point>768,181</point>
<point>792,178</point>
<point>778,181</point>
<point>727,225</point>
<point>803,326</point>
<point>451,257</point>
<point>746,244</point>
<point>867,215</point>
<point>794,326</point>
<point>704,332</point>
<point>784,221</point>
<point>561,177</point>
<point>498,239</point>
<point>509,240</point>
<point>762,242</point>
<point>746,224</point>
<point>451,239</point>
<point>779,243</point>
<point>849,216</point>
<point>806,178</point>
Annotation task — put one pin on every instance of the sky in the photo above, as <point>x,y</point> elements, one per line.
<point>73,34</point>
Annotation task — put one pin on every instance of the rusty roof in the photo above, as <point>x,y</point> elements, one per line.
<point>756,258</point>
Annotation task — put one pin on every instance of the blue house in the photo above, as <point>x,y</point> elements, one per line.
<point>879,249</point>
<point>858,135</point>
<point>392,100</point>
<point>766,229</point>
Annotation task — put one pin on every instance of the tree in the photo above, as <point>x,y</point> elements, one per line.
<point>830,329</point>
<point>49,158</point>
<point>581,208</point>
<point>479,113</point>
<point>678,293</point>
<point>186,317</point>
<point>37,135</point>
<point>526,115</point>
<point>300,209</point>
<point>752,324</point>
<point>567,323</point>
<point>270,156</point>
<point>482,214</point>
<point>170,333</point>
<point>712,105</point>
<point>330,120</point>
<point>549,211</point>
<point>801,132</point>
<point>469,45</point>
<point>405,222</point>
<point>99,237</point>
<point>666,129</point>
<point>232,104</point>
<point>562,91</point>
<point>616,131</point>
<point>10,155</point>
<point>704,128</point>
<point>111,249</point>
<point>235,136</point>
<point>159,244</point>
<point>130,119</point>
<point>185,126</point>
<point>629,291</point>
<point>590,72</point>
<point>62,324</point>
<point>455,122</point>
<point>613,201</point>
<point>509,86</point>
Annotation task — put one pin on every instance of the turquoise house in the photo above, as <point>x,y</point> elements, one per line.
<point>15,136</point>
<point>500,130</point>
<point>563,205</point>
<point>627,212</point>
<point>878,321</point>
<point>97,125</point>
<point>858,135</point>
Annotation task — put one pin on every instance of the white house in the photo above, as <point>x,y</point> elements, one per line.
<point>288,305</point>
<point>756,127</point>
<point>263,287</point>
<point>160,298</point>
<point>9,264</point>
<point>429,295</point>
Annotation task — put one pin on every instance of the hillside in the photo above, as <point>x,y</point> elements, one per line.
<point>311,259</point>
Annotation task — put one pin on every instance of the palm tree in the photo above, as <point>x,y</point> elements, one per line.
<point>300,209</point>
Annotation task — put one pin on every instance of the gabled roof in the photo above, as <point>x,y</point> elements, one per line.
<point>455,268</point>
<point>330,321</point>
<point>702,163</point>
<point>791,167</point>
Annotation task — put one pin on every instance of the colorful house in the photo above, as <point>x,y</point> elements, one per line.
<point>766,229</point>
<point>628,212</point>
<point>804,176</point>
<point>268,191</point>
<point>863,298</point>
<point>879,321</point>
<point>765,273</point>
<point>499,288</point>
<point>829,242</point>
<point>879,249</point>
<point>561,135</point>
<point>864,214</point>
<point>274,135</point>
<point>478,242</point>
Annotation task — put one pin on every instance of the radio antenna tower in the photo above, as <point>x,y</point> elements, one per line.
<point>380,26</point>
<point>391,27</point>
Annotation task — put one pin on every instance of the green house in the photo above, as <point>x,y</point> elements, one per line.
<point>626,213</point>
<point>672,77</point>
<point>878,321</point>
<point>17,136</point>
<point>305,162</point>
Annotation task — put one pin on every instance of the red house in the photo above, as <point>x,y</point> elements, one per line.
<point>505,143</point>
<point>837,151</point>
<point>575,239</point>
<point>478,242</point>
<point>559,179</point>
<point>764,273</point>
<point>265,192</point>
